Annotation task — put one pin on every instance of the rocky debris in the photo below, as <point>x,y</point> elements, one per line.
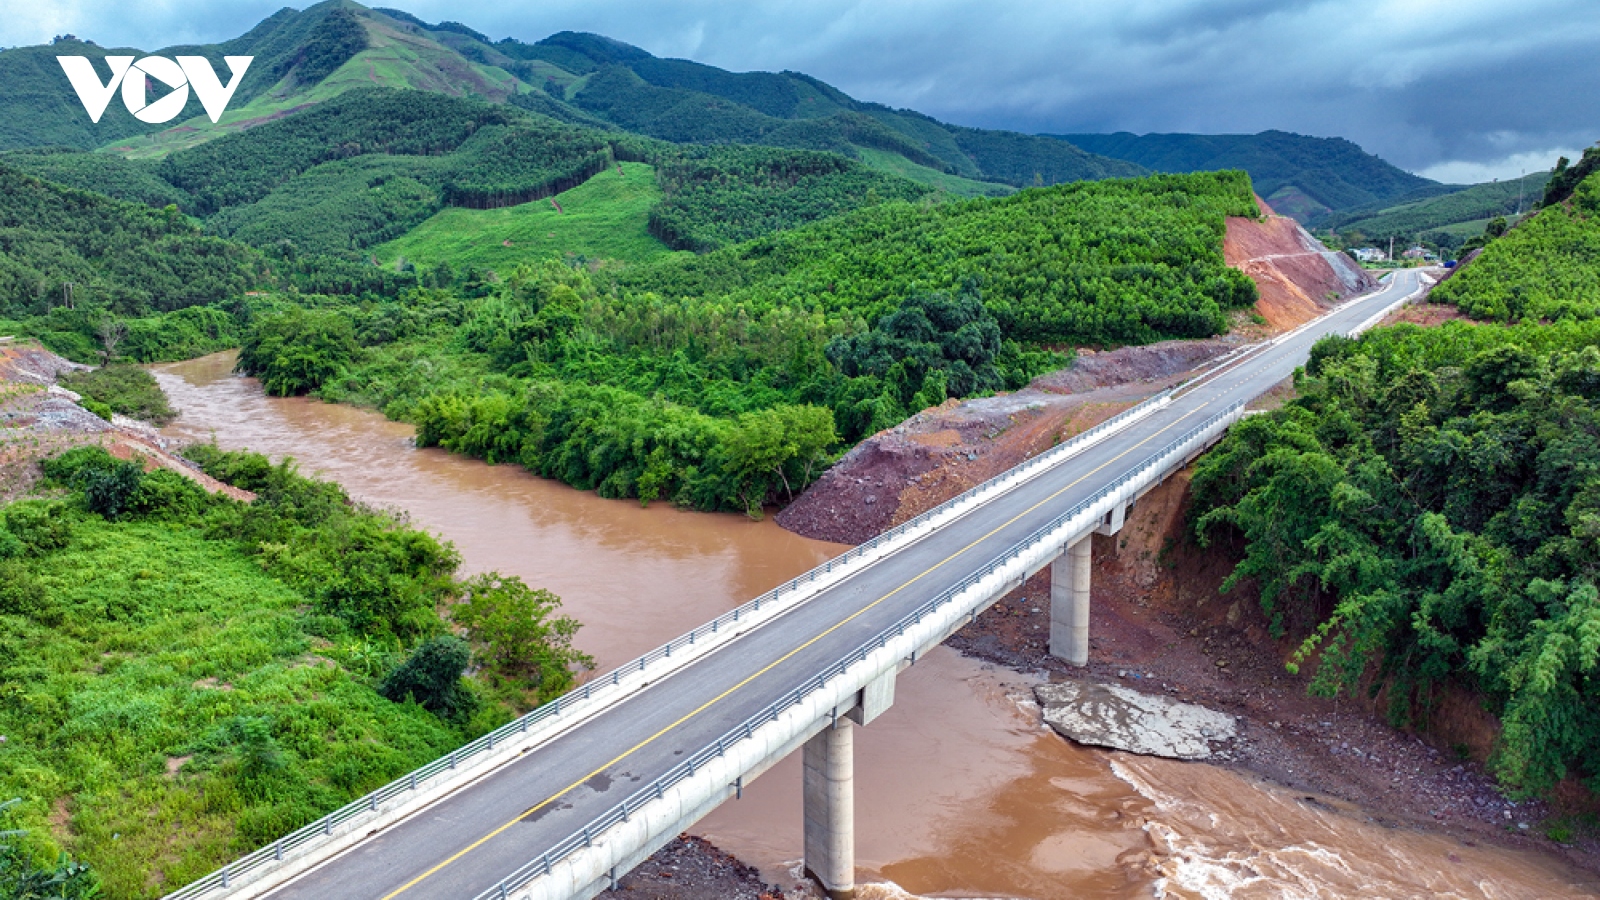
<point>692,868</point>
<point>1093,370</point>
<point>28,363</point>
<point>1109,715</point>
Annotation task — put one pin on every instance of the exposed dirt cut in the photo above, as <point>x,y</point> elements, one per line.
<point>938,453</point>
<point>39,419</point>
<point>1298,278</point>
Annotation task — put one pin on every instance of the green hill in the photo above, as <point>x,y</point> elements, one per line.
<point>136,181</point>
<point>368,165</point>
<point>114,254</point>
<point>606,217</point>
<point>1546,268</point>
<point>1444,220</point>
<point>290,48</point>
<point>306,58</point>
<point>1304,177</point>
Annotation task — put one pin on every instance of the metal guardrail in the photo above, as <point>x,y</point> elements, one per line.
<point>639,799</point>
<point>420,779</point>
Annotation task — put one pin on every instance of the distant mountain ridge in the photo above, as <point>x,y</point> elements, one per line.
<point>307,57</point>
<point>1300,176</point>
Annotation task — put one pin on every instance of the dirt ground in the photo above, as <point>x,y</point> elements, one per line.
<point>692,868</point>
<point>902,472</point>
<point>39,419</point>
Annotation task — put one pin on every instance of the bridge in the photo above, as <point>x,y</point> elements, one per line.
<point>562,802</point>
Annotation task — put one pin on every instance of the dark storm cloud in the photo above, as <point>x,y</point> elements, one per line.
<point>1465,87</point>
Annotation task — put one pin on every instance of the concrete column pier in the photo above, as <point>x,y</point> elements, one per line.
<point>830,810</point>
<point>1069,603</point>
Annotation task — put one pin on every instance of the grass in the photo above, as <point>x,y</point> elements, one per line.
<point>125,388</point>
<point>605,218</point>
<point>895,164</point>
<point>127,720</point>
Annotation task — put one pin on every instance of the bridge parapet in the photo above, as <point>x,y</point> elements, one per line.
<point>587,862</point>
<point>301,850</point>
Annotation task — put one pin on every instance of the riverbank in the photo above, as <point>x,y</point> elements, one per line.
<point>1159,625</point>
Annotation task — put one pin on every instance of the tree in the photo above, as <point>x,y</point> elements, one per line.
<point>771,444</point>
<point>296,351</point>
<point>112,330</point>
<point>516,636</point>
<point>431,676</point>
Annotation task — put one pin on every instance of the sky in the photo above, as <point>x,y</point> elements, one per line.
<point>1458,90</point>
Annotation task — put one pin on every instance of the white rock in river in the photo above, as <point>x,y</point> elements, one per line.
<point>1109,715</point>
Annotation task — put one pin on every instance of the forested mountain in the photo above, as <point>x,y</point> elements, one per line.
<point>290,48</point>
<point>308,57</point>
<point>1446,220</point>
<point>369,165</point>
<point>1304,177</point>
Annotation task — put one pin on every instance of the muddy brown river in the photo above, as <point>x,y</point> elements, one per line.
<point>959,791</point>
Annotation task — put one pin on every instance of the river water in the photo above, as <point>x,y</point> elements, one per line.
<point>959,791</point>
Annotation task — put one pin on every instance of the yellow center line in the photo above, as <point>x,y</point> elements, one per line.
<point>777,662</point>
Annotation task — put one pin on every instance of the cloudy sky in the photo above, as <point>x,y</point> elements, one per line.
<point>1459,90</point>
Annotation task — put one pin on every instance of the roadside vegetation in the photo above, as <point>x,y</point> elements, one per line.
<point>187,676</point>
<point>1424,512</point>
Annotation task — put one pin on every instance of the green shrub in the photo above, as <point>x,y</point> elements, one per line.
<point>21,592</point>
<point>95,406</point>
<point>65,467</point>
<point>165,492</point>
<point>22,878</point>
<point>124,389</point>
<point>518,637</point>
<point>40,526</point>
<point>431,677</point>
<point>11,546</point>
<point>109,491</point>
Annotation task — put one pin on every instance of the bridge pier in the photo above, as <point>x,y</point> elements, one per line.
<point>1069,603</point>
<point>830,826</point>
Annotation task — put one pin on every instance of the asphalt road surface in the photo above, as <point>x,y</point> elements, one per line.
<point>471,840</point>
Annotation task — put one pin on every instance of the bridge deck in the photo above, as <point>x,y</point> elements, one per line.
<point>469,841</point>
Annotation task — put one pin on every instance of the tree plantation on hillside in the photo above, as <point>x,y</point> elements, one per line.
<point>1548,267</point>
<point>727,381</point>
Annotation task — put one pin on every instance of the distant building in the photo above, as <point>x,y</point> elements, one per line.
<point>1419,253</point>
<point>1369,254</point>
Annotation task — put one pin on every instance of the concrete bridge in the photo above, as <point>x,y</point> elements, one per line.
<point>562,802</point>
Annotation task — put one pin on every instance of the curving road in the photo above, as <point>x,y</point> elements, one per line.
<point>470,840</point>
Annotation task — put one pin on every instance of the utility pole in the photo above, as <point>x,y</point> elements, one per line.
<point>1391,248</point>
<point>1522,184</point>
